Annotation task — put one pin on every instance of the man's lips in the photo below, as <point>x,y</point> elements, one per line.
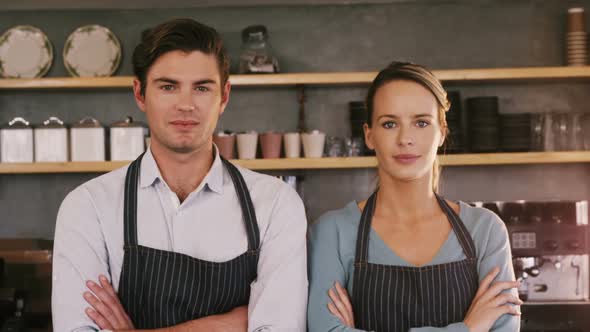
<point>406,158</point>
<point>184,124</point>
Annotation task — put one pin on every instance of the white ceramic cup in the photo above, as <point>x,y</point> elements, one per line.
<point>313,144</point>
<point>292,143</point>
<point>247,143</point>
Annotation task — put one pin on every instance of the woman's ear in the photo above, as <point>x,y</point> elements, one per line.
<point>443,134</point>
<point>368,136</point>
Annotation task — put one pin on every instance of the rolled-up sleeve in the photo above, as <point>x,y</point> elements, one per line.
<point>497,253</point>
<point>493,251</point>
<point>325,268</point>
<point>79,254</point>
<point>278,298</point>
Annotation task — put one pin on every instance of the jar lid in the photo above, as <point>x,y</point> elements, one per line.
<point>249,132</point>
<point>127,123</point>
<point>254,30</point>
<point>17,123</point>
<point>87,122</point>
<point>52,122</point>
<point>225,133</point>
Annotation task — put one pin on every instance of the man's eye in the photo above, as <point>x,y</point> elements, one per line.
<point>167,87</point>
<point>202,89</point>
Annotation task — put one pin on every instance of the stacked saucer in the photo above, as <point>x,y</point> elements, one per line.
<point>576,39</point>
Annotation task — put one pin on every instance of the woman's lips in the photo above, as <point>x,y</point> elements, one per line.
<point>406,158</point>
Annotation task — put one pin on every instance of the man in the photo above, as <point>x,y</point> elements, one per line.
<point>188,241</point>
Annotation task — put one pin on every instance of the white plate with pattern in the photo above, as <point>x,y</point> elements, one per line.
<point>92,51</point>
<point>25,52</point>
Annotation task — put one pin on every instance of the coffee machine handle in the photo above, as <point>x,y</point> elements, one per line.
<point>576,266</point>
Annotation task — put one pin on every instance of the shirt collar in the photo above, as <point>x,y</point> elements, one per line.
<point>149,170</point>
<point>213,180</point>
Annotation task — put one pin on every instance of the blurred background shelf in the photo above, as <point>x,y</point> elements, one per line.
<point>481,159</point>
<point>331,78</point>
<point>26,256</point>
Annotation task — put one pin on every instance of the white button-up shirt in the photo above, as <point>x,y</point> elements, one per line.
<point>208,225</point>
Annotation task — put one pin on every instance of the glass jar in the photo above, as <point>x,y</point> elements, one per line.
<point>256,54</point>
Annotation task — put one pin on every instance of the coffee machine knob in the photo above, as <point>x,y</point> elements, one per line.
<point>551,245</point>
<point>533,271</point>
<point>574,245</point>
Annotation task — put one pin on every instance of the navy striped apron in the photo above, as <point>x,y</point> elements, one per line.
<point>397,298</point>
<point>161,288</point>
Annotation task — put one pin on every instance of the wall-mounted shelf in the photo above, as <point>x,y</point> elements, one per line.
<point>32,256</point>
<point>334,78</point>
<point>515,158</point>
<point>318,163</point>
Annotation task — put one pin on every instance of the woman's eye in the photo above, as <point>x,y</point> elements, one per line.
<point>388,124</point>
<point>422,123</point>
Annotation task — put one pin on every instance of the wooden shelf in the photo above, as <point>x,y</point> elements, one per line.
<point>68,167</point>
<point>514,74</point>
<point>515,158</point>
<point>66,83</point>
<point>334,78</point>
<point>318,163</point>
<point>27,256</point>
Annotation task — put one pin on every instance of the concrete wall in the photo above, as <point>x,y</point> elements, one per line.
<point>439,34</point>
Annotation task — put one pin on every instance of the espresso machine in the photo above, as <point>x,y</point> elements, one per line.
<point>25,285</point>
<point>550,250</point>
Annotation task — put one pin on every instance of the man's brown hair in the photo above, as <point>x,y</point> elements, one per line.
<point>182,34</point>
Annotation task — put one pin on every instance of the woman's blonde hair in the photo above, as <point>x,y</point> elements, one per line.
<point>418,74</point>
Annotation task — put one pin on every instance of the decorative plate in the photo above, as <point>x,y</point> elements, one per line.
<point>92,51</point>
<point>25,52</point>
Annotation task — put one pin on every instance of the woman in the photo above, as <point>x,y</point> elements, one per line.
<point>410,260</point>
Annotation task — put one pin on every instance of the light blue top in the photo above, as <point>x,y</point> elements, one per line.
<point>332,251</point>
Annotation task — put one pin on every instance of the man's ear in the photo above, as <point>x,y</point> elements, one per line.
<point>138,95</point>
<point>225,96</point>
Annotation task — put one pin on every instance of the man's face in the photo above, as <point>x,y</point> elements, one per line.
<point>183,100</point>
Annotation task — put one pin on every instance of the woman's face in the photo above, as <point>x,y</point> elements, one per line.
<point>405,131</point>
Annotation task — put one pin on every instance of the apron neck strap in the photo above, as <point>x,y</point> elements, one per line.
<point>130,212</point>
<point>246,204</point>
<point>364,229</point>
<point>362,238</point>
<point>459,228</point>
<point>130,207</point>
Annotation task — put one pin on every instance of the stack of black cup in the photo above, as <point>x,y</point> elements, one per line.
<point>483,124</point>
<point>515,133</point>
<point>358,117</point>
<point>455,140</point>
